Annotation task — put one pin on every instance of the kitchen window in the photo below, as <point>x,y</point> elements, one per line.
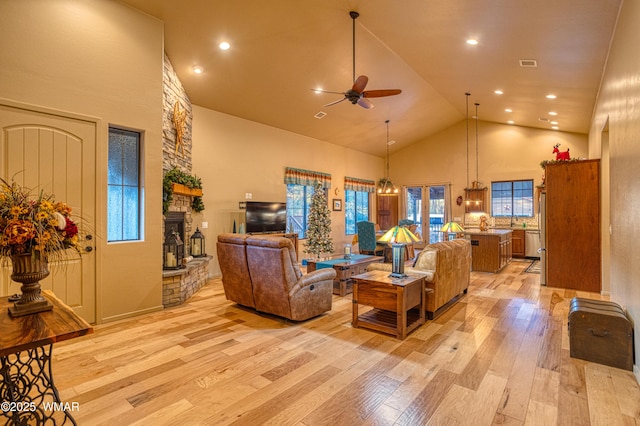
<point>512,198</point>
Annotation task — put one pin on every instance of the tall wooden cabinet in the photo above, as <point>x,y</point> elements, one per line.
<point>573,225</point>
<point>387,211</point>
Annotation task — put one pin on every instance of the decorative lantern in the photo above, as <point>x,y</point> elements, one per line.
<point>197,244</point>
<point>173,252</point>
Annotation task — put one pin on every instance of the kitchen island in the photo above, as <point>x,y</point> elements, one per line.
<point>490,250</point>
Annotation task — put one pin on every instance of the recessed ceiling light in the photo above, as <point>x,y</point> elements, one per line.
<point>553,113</point>
<point>553,122</point>
<point>318,90</point>
<point>472,41</point>
<point>391,142</point>
<point>510,122</point>
<point>555,128</point>
<point>498,92</point>
<point>197,69</point>
<point>550,96</point>
<point>224,45</point>
<point>508,110</point>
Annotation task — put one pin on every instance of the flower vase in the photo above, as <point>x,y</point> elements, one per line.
<point>29,270</point>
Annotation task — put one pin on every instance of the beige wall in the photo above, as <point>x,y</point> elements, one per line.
<point>504,153</point>
<point>99,59</point>
<point>618,106</point>
<point>235,156</point>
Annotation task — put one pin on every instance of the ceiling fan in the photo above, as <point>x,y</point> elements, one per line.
<point>357,94</point>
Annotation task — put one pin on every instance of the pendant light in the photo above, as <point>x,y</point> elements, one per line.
<point>477,183</point>
<point>467,201</point>
<point>385,186</point>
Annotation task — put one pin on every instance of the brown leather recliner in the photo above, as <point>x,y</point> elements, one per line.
<point>276,281</point>
<point>232,257</point>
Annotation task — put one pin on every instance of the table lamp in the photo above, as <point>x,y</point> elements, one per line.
<point>398,237</point>
<point>451,228</point>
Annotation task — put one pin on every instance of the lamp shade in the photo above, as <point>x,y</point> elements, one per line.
<point>452,227</point>
<point>399,234</point>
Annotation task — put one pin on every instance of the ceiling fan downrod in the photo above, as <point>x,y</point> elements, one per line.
<point>354,15</point>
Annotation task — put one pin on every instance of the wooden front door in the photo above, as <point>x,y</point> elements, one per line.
<point>57,155</point>
<point>387,211</point>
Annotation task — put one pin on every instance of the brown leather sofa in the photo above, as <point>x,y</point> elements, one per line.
<point>262,272</point>
<point>447,269</point>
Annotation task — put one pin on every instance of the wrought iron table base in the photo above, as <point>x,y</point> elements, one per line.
<point>28,394</point>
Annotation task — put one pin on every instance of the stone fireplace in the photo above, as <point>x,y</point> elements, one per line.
<point>179,284</point>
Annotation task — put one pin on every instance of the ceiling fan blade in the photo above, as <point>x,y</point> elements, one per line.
<point>365,103</point>
<point>334,102</point>
<point>327,91</point>
<point>381,93</point>
<point>360,83</point>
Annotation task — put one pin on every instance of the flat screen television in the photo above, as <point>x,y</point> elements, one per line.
<point>266,217</point>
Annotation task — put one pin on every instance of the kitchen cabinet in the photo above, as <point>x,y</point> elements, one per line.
<point>518,243</point>
<point>490,250</point>
<point>474,200</point>
<point>572,222</point>
<point>387,211</point>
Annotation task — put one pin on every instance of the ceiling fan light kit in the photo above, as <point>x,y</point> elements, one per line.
<point>357,94</point>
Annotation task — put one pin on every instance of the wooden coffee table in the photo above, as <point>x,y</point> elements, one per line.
<point>398,303</point>
<point>345,269</point>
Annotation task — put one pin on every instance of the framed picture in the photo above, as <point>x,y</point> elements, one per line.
<point>337,204</point>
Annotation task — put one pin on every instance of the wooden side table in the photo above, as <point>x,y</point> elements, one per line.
<point>26,380</point>
<point>398,303</point>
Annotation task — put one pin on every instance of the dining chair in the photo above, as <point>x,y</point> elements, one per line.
<point>405,222</point>
<point>367,243</point>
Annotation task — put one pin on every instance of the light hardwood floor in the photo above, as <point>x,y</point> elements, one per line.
<point>498,356</point>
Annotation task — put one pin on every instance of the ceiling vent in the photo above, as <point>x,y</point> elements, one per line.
<point>543,119</point>
<point>528,63</point>
<point>320,115</point>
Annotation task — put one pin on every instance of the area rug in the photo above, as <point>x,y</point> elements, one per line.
<point>534,268</point>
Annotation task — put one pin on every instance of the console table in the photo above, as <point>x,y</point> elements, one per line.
<point>345,270</point>
<point>26,381</point>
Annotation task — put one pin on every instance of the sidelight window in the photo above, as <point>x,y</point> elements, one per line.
<point>123,182</point>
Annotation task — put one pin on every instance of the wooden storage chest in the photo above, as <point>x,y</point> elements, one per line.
<point>599,331</point>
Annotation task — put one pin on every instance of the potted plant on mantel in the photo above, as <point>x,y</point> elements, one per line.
<point>33,230</point>
<point>178,182</point>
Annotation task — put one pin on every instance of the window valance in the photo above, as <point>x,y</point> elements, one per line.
<point>362,185</point>
<point>306,177</point>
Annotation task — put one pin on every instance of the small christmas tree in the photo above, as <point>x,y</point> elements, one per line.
<point>319,229</point>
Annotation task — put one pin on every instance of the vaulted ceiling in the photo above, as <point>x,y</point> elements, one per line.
<point>282,49</point>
